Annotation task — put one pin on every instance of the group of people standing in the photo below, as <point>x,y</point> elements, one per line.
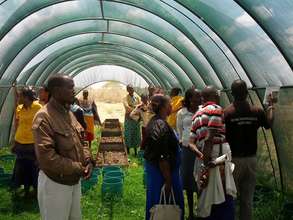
<point>210,151</point>
<point>190,143</point>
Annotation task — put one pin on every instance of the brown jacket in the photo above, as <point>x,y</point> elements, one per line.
<point>61,152</point>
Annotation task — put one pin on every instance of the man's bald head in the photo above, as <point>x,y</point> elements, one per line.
<point>57,81</point>
<point>61,84</point>
<point>239,90</point>
<point>210,94</point>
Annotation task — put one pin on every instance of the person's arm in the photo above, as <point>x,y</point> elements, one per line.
<point>96,114</point>
<point>80,118</point>
<point>179,125</point>
<point>193,138</point>
<point>214,125</point>
<point>208,147</point>
<point>166,171</point>
<point>128,109</point>
<point>16,118</point>
<point>135,114</point>
<point>48,159</point>
<point>88,158</point>
<point>270,112</point>
<point>160,137</point>
<point>194,148</point>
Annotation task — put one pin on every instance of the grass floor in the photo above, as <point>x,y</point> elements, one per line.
<point>131,207</point>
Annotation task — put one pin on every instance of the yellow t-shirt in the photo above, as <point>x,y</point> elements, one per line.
<point>176,103</point>
<point>24,134</point>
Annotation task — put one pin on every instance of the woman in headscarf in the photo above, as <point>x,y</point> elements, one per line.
<point>25,170</point>
<point>162,155</point>
<point>132,132</point>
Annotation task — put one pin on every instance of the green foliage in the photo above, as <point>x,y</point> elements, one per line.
<point>268,204</point>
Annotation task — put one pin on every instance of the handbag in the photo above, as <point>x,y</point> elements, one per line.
<point>164,211</point>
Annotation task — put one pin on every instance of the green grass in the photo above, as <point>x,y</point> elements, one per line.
<point>130,207</point>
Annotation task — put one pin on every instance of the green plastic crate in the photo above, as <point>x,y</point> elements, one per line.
<point>114,174</point>
<point>112,188</point>
<point>111,169</point>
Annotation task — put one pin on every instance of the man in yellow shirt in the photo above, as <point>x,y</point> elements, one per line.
<point>176,103</point>
<point>25,170</point>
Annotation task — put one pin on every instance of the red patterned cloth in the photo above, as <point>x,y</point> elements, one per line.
<point>210,116</point>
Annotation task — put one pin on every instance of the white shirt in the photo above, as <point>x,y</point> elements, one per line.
<point>184,122</point>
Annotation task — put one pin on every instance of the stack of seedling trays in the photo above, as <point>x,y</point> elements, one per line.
<point>112,186</point>
<point>5,177</point>
<point>111,128</point>
<point>112,151</point>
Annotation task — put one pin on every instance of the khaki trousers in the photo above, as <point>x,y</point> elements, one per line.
<point>245,180</point>
<point>58,201</point>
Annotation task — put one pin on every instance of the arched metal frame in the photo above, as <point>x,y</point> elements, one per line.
<point>101,55</point>
<point>95,63</point>
<point>60,62</point>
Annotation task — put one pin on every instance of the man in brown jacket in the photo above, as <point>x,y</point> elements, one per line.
<point>62,154</point>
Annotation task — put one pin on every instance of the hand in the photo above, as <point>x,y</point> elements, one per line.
<point>196,151</point>
<point>212,164</point>
<point>140,106</point>
<point>199,155</point>
<point>88,171</point>
<point>168,186</point>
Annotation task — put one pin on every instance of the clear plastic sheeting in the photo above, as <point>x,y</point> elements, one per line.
<point>259,56</point>
<point>283,134</point>
<point>108,73</point>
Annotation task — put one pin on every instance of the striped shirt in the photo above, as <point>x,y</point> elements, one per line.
<point>210,116</point>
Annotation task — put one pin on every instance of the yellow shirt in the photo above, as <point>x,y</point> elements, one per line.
<point>25,118</point>
<point>176,103</point>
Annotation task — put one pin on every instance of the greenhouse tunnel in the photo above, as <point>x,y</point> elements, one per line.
<point>168,43</point>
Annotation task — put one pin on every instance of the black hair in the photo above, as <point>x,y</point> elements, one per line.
<point>29,92</point>
<point>239,90</point>
<point>188,95</point>
<point>175,91</point>
<point>158,102</point>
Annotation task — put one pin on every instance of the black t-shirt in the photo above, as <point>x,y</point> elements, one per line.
<point>242,122</point>
<point>160,142</point>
